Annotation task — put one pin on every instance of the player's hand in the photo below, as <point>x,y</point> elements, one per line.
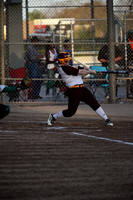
<point>93,72</point>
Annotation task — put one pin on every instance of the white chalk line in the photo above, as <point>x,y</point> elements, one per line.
<point>89,136</point>
<point>103,138</point>
<point>55,128</point>
<point>42,122</point>
<point>6,131</point>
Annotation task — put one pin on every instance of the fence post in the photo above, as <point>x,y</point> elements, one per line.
<point>111,41</point>
<point>27,23</point>
<point>2,68</point>
<point>93,25</point>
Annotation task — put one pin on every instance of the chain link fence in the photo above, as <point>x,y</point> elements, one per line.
<point>80,27</point>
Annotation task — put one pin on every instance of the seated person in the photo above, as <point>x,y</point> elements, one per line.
<point>103,56</point>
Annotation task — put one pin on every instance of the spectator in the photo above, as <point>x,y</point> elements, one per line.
<point>130,48</point>
<point>130,55</point>
<point>67,49</point>
<point>51,57</point>
<point>33,67</point>
<point>103,56</point>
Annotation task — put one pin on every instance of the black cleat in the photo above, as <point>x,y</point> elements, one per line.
<point>108,122</point>
<point>51,120</point>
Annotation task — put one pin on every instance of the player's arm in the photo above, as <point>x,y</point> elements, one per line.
<point>76,70</point>
<point>9,89</point>
<point>85,70</point>
<point>103,60</point>
<point>118,58</point>
<point>69,70</point>
<point>24,84</point>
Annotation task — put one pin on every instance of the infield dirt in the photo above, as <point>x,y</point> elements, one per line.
<point>76,159</point>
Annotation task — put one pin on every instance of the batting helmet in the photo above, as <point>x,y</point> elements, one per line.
<point>63,57</point>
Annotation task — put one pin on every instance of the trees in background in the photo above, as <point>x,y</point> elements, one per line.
<point>36,14</point>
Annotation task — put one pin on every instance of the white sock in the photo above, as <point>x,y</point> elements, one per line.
<point>58,115</point>
<point>101,113</point>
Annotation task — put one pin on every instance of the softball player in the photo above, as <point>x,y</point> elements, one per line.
<point>72,77</point>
